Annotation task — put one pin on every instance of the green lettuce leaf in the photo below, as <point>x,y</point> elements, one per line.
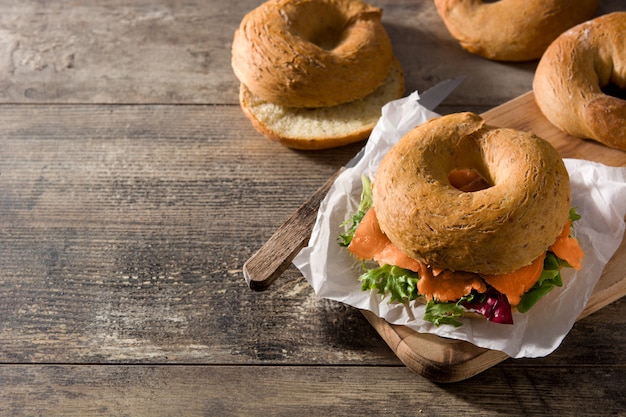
<point>573,215</point>
<point>550,278</point>
<point>399,283</point>
<point>364,205</point>
<point>443,313</point>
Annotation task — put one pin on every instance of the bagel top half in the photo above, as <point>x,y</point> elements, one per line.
<point>495,230</point>
<point>312,53</point>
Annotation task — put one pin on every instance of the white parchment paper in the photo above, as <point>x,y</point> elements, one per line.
<point>598,193</point>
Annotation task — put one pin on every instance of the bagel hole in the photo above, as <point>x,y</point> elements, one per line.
<point>320,24</point>
<point>327,40</point>
<point>468,180</point>
<point>614,90</point>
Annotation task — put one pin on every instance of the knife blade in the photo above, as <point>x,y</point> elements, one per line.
<point>274,257</point>
<point>432,97</point>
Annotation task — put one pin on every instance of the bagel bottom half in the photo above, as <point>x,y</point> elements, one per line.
<point>322,127</point>
<point>492,231</point>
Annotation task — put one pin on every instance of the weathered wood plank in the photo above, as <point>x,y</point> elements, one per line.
<point>313,391</point>
<point>179,52</point>
<point>123,232</point>
<point>118,51</point>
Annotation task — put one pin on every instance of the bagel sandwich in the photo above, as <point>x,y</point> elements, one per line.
<point>483,263</point>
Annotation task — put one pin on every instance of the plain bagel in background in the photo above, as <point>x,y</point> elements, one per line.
<point>571,77</point>
<point>511,30</point>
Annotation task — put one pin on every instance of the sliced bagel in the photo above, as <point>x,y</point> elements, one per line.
<point>323,127</point>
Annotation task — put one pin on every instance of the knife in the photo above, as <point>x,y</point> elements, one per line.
<point>275,256</point>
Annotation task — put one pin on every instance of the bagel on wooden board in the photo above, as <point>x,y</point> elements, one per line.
<point>467,212</point>
<point>573,73</point>
<point>314,73</point>
<point>511,30</point>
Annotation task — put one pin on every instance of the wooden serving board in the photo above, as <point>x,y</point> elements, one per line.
<point>446,360</point>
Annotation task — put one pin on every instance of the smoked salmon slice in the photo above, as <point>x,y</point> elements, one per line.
<point>448,285</point>
<point>516,283</point>
<point>568,248</point>
<point>369,242</point>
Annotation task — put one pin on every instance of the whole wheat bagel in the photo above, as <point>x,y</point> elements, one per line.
<point>572,74</point>
<point>495,230</point>
<point>312,53</point>
<point>511,30</point>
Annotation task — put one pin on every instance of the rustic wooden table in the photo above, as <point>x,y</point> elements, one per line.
<point>133,189</point>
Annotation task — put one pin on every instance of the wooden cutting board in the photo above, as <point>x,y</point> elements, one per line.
<point>446,360</point>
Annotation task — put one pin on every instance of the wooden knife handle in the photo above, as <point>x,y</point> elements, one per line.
<point>275,256</point>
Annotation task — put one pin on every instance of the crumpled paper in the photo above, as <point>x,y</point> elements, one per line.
<point>598,193</point>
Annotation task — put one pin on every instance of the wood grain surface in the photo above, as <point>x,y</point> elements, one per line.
<point>133,189</point>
